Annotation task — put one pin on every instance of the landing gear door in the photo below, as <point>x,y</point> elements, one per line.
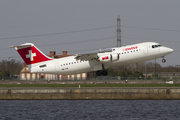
<point>97,67</point>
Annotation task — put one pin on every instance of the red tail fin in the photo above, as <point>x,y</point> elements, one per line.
<point>31,54</point>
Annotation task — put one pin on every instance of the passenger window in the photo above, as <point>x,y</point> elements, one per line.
<point>72,62</point>
<point>66,63</point>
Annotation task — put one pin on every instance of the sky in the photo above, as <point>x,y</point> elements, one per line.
<point>79,26</point>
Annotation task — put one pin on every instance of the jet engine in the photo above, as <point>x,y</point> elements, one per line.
<point>109,57</point>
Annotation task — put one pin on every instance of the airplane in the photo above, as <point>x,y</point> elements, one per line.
<point>98,61</point>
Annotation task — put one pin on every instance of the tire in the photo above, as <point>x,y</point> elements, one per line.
<point>98,73</point>
<point>104,73</point>
<point>163,60</point>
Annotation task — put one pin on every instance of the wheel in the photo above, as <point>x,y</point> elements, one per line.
<point>163,60</point>
<point>104,73</point>
<point>98,73</point>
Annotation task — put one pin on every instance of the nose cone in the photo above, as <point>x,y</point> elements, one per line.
<point>169,50</point>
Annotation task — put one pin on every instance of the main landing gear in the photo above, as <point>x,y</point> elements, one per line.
<point>101,72</point>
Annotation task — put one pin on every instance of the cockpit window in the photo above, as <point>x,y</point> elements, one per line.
<point>156,46</point>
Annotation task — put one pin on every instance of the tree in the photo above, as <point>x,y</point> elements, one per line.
<point>10,67</point>
<point>3,73</point>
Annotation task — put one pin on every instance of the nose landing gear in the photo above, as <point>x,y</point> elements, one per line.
<point>163,60</point>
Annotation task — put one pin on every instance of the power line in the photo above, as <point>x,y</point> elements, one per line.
<point>85,30</point>
<point>74,42</point>
<point>48,34</point>
<point>149,39</point>
<point>99,39</point>
<point>152,28</point>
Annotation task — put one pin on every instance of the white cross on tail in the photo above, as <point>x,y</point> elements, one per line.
<point>31,55</point>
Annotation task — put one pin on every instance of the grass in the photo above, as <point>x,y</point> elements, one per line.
<point>87,85</point>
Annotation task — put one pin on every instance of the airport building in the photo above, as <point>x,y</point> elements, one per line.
<point>26,75</point>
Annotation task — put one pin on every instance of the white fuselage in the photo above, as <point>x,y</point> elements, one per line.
<point>127,55</point>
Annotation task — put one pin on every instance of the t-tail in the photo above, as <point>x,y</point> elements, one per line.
<point>31,54</point>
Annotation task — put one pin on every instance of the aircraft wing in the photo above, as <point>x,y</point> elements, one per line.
<point>91,55</point>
